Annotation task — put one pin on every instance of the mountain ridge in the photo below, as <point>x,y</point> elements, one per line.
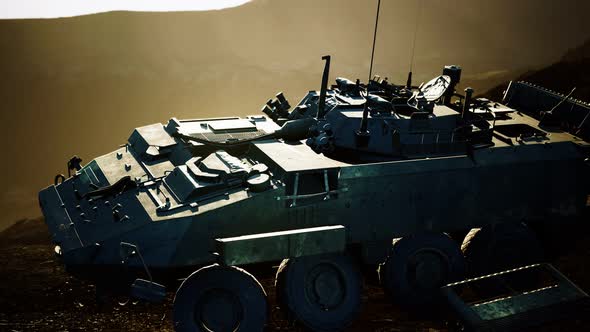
<point>561,76</point>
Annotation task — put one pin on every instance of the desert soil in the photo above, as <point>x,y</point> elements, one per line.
<point>36,294</point>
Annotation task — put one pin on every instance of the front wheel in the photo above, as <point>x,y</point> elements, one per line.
<point>220,298</point>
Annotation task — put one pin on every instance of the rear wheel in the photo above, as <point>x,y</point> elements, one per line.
<point>495,248</point>
<point>418,265</point>
<point>220,298</point>
<point>322,292</point>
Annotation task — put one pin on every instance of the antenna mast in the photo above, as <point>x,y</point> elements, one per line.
<point>409,82</point>
<point>374,39</point>
<point>362,134</point>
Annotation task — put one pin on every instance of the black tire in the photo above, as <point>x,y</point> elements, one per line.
<point>500,247</point>
<point>418,265</point>
<point>280,284</point>
<point>220,298</point>
<point>322,292</point>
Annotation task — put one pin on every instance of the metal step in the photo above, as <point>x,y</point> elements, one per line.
<point>515,299</point>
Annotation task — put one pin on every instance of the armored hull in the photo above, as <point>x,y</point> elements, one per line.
<point>307,183</point>
<point>174,213</point>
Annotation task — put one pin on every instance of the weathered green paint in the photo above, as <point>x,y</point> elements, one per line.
<point>419,171</point>
<point>254,248</point>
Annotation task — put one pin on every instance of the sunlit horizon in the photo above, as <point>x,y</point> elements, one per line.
<point>69,8</point>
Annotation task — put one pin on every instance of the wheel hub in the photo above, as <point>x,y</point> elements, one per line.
<point>219,310</point>
<point>428,269</point>
<point>325,286</point>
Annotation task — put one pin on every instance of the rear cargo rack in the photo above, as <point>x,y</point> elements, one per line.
<point>523,297</point>
<point>532,99</point>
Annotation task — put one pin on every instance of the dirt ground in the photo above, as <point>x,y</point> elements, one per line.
<point>37,295</point>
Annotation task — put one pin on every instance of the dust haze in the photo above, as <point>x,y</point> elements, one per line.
<point>80,85</point>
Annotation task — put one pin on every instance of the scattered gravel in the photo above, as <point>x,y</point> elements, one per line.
<point>36,294</point>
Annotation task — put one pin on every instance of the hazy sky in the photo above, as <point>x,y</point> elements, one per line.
<point>66,8</point>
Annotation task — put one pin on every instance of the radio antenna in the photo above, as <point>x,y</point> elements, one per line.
<point>409,81</point>
<point>418,15</point>
<point>374,39</point>
<point>362,134</point>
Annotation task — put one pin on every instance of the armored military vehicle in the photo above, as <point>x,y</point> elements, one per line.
<point>355,173</point>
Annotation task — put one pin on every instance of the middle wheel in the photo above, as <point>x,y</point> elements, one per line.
<point>418,265</point>
<point>323,292</point>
